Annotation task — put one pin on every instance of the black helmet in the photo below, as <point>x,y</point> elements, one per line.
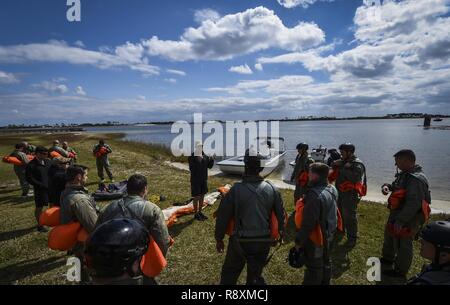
<point>348,147</point>
<point>296,258</point>
<point>114,247</point>
<point>438,234</point>
<point>302,146</point>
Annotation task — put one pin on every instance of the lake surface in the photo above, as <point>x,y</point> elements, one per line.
<point>376,142</point>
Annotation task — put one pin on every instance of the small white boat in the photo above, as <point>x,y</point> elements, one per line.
<point>317,154</point>
<point>275,158</point>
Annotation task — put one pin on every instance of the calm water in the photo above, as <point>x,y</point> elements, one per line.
<point>376,141</point>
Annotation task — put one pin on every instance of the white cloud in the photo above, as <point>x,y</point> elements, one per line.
<point>206,14</point>
<point>295,3</point>
<point>176,72</point>
<point>79,44</point>
<point>171,80</point>
<point>259,67</point>
<point>52,86</point>
<point>243,69</point>
<point>80,91</point>
<point>128,55</point>
<point>141,97</point>
<point>8,78</point>
<point>237,34</point>
<point>285,84</point>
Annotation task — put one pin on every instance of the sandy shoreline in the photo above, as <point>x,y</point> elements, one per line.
<point>438,206</point>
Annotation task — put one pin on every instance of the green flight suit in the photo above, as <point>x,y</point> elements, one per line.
<point>103,162</point>
<point>351,170</point>
<point>409,215</point>
<point>302,163</point>
<point>20,170</point>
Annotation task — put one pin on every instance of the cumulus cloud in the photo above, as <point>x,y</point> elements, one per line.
<point>243,69</point>
<point>388,38</point>
<point>53,86</point>
<point>79,43</point>
<point>206,14</point>
<point>8,78</point>
<point>259,67</point>
<point>127,55</point>
<point>295,3</point>
<point>237,34</point>
<point>80,91</point>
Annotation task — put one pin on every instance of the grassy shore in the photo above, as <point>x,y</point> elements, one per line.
<point>25,258</point>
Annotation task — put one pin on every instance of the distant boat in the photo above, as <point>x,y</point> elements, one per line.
<point>438,120</point>
<point>235,166</point>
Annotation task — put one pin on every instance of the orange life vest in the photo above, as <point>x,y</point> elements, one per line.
<point>348,186</point>
<point>65,237</point>
<point>154,262</point>
<point>62,237</point>
<point>334,173</point>
<point>316,235</point>
<point>397,199</point>
<point>50,217</point>
<point>15,160</point>
<point>101,152</point>
<point>55,154</point>
<point>303,178</point>
<point>359,187</point>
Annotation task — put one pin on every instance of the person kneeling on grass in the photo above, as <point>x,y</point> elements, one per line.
<point>199,163</point>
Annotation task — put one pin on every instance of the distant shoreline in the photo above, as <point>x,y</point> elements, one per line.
<point>304,119</point>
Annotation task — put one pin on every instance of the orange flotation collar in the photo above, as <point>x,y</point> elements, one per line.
<point>55,154</point>
<point>397,199</point>
<point>334,173</point>
<point>316,235</point>
<point>303,178</point>
<point>15,160</point>
<point>359,187</point>
<point>154,262</point>
<point>62,237</point>
<point>101,152</point>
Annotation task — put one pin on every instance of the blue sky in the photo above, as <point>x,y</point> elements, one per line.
<point>142,60</point>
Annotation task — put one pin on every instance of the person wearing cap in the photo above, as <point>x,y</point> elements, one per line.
<point>19,170</point>
<point>301,169</point>
<point>436,248</point>
<point>57,148</point>
<point>199,163</point>
<point>351,171</point>
<point>57,179</point>
<point>70,150</point>
<point>114,252</point>
<point>101,152</point>
<point>29,149</point>
<point>36,174</point>
<point>251,204</point>
<point>409,209</point>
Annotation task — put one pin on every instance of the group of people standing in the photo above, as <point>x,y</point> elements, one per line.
<point>251,213</point>
<point>45,170</point>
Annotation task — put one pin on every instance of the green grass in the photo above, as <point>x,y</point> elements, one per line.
<point>25,258</point>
